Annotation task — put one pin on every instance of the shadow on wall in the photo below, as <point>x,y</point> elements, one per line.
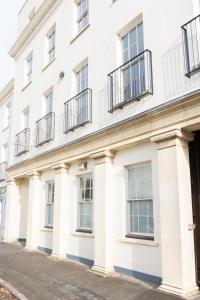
<point>175,81</point>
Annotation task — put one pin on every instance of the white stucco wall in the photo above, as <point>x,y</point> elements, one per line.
<point>100,45</point>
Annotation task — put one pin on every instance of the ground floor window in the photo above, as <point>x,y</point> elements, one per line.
<point>85,205</point>
<point>50,187</point>
<point>140,201</point>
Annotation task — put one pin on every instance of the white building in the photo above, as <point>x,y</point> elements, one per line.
<point>106,100</point>
<point>6,96</point>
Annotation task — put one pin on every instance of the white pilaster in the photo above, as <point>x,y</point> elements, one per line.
<point>34,198</point>
<point>60,210</point>
<point>12,211</point>
<point>103,212</point>
<point>177,242</point>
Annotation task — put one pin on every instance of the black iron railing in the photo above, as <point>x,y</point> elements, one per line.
<point>191,44</point>
<point>78,110</point>
<point>45,129</point>
<point>3,173</point>
<point>22,141</point>
<point>131,81</point>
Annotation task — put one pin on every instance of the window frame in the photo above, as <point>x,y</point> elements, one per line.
<point>51,43</point>
<point>47,203</point>
<point>29,68</point>
<point>79,228</point>
<point>138,235</point>
<point>82,15</point>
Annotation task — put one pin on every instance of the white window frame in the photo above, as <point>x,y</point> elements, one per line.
<point>5,153</point>
<point>128,231</point>
<point>25,115</point>
<point>48,96</point>
<point>80,201</point>
<point>7,115</point>
<point>51,44</point>
<point>49,202</point>
<point>82,14</point>
<point>29,68</point>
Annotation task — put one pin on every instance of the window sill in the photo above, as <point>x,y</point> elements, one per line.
<point>6,128</point>
<point>83,234</point>
<point>47,229</point>
<point>26,85</point>
<point>139,241</point>
<point>75,38</point>
<point>48,64</point>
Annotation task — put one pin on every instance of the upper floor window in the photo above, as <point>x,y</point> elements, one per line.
<point>26,118</point>
<point>133,43</point>
<point>82,79</point>
<point>50,188</point>
<point>85,203</point>
<point>49,101</point>
<point>7,116</point>
<point>83,14</point>
<point>28,68</point>
<point>140,201</point>
<point>51,39</point>
<point>5,153</point>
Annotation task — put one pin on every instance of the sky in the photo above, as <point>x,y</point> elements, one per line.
<point>8,34</point>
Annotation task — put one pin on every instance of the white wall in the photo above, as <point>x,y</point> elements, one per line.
<point>100,44</point>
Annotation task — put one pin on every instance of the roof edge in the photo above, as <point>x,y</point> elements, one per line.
<point>8,88</point>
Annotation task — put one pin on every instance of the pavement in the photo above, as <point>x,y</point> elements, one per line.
<point>39,277</point>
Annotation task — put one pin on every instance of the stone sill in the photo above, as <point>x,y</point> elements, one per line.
<point>83,234</point>
<point>139,242</point>
<point>75,38</point>
<point>47,229</point>
<point>26,85</point>
<point>48,64</point>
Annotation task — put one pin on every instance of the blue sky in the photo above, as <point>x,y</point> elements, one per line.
<point>8,33</point>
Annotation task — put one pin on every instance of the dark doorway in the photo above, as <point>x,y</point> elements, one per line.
<point>194,152</point>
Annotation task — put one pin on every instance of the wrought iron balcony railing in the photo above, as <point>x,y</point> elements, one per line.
<point>45,129</point>
<point>191,44</point>
<point>78,111</point>
<point>22,140</point>
<point>3,172</point>
<point>131,81</point>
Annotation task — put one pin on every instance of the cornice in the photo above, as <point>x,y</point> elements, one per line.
<point>32,26</point>
<point>7,90</point>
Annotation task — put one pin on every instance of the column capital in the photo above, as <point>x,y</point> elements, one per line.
<point>34,174</point>
<point>60,167</point>
<point>10,180</point>
<point>175,137</point>
<point>103,156</point>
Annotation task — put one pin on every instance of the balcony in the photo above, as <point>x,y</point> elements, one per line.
<point>22,140</point>
<point>3,174</point>
<point>191,45</point>
<point>45,129</point>
<point>131,81</point>
<point>78,111</point>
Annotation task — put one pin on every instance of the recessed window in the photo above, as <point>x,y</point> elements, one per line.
<point>49,101</point>
<point>83,14</point>
<point>85,205</point>
<point>7,116</point>
<point>50,188</point>
<point>51,39</point>
<point>5,153</point>
<point>28,69</point>
<point>25,116</point>
<point>140,201</point>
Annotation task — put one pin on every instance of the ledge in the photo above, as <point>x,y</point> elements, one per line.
<point>26,85</point>
<point>46,229</point>
<point>139,242</point>
<point>83,234</point>
<point>75,38</point>
<point>48,64</point>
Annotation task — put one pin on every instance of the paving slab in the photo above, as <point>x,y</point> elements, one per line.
<point>39,277</point>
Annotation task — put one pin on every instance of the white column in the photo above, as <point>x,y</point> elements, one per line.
<point>177,242</point>
<point>60,220</point>
<point>12,211</point>
<point>103,212</point>
<point>34,198</point>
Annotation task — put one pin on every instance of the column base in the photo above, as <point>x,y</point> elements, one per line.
<point>179,291</point>
<point>30,248</point>
<point>102,271</point>
<point>55,256</point>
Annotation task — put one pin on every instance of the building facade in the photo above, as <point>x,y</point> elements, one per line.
<point>104,136</point>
